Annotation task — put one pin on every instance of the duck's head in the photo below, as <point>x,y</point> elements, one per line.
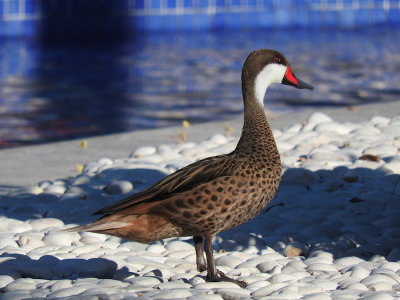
<point>264,67</point>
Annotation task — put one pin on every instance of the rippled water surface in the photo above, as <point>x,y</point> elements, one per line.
<point>50,93</point>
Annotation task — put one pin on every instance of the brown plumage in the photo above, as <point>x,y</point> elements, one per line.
<point>217,193</point>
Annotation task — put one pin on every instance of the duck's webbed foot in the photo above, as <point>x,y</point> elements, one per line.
<point>220,276</point>
<point>212,273</point>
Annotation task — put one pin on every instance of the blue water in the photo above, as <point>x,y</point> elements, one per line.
<point>58,92</point>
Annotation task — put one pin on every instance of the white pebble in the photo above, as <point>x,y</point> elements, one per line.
<point>215,285</point>
<point>269,289</point>
<point>348,261</point>
<point>359,272</point>
<point>119,187</point>
<point>40,224</point>
<point>318,117</point>
<point>143,281</point>
<point>380,286</point>
<point>12,225</point>
<point>378,278</point>
<point>67,292</point>
<point>382,150</point>
<point>59,238</point>
<point>56,189</point>
<point>377,296</point>
<point>332,127</point>
<point>321,267</point>
<point>228,260</point>
<point>178,246</point>
<point>155,249</point>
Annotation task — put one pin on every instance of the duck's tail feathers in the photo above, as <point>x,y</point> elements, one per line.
<point>97,226</point>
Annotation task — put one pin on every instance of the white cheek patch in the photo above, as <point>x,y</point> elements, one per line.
<point>272,73</point>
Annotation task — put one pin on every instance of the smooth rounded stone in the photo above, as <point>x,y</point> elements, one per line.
<point>265,291</point>
<point>215,285</point>
<point>347,261</point>
<point>356,286</point>
<point>269,267</point>
<point>60,284</point>
<point>90,240</point>
<point>119,187</point>
<point>318,118</point>
<point>231,261</point>
<point>81,180</point>
<point>393,275</point>
<point>319,258</point>
<point>55,189</point>
<point>321,267</point>
<point>325,285</point>
<point>101,237</point>
<point>244,273</point>
<point>359,272</point>
<point>160,272</point>
<point>143,280</point>
<point>334,127</point>
<point>40,224</point>
<point>132,246</point>
<point>30,241</point>
<point>16,295</point>
<point>179,293</point>
<point>19,285</point>
<point>5,280</point>
<point>377,296</point>
<point>379,120</point>
<point>378,278</point>
<point>173,285</point>
<point>317,296</point>
<point>256,285</point>
<point>392,130</point>
<point>181,254</point>
<point>67,292</point>
<point>345,282</point>
<point>59,238</point>
<point>282,277</point>
<point>8,241</point>
<point>178,246</point>
<point>296,264</point>
<point>382,150</point>
<point>234,294</point>
<point>156,248</point>
<point>380,286</point>
<point>392,266</point>
<point>365,130</point>
<point>13,226</point>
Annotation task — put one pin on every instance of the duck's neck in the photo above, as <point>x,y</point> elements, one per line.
<point>256,134</point>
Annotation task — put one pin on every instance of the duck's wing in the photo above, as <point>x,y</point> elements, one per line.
<point>180,181</point>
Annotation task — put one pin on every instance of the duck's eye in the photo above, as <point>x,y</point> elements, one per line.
<point>277,59</point>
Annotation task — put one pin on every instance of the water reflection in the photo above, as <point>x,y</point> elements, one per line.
<point>59,91</point>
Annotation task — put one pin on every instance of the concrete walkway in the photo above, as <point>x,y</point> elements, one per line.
<point>25,166</point>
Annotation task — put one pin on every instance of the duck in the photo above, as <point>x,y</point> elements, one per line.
<point>217,193</point>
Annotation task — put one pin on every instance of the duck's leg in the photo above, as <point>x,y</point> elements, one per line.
<point>198,246</point>
<point>212,273</point>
